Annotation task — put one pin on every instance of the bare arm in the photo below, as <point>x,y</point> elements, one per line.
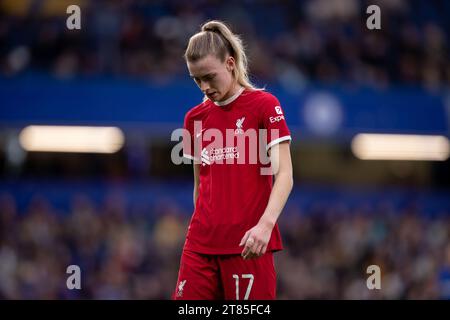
<point>282,167</point>
<point>196,182</point>
<point>281,163</point>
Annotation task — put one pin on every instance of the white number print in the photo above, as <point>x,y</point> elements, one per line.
<point>249,287</point>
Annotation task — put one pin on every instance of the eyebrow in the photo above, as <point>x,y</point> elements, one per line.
<point>204,76</point>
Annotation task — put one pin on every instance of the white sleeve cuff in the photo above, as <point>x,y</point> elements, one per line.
<point>276,141</point>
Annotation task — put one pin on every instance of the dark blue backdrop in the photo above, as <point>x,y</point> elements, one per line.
<point>36,99</point>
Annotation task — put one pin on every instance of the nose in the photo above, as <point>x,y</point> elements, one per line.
<point>204,86</point>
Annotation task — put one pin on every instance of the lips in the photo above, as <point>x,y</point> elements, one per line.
<point>211,95</point>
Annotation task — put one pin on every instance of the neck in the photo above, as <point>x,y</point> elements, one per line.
<point>230,99</point>
<point>235,87</point>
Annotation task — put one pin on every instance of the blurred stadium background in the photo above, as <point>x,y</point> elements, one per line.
<point>121,215</point>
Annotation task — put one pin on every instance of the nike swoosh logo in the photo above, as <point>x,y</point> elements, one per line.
<point>200,133</point>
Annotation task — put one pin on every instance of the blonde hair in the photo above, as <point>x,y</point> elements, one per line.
<point>217,39</point>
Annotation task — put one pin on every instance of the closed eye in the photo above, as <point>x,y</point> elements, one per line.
<point>207,77</point>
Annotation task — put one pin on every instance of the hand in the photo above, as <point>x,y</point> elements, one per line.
<point>256,240</point>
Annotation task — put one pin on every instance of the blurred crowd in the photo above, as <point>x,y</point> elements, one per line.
<point>134,253</point>
<point>289,42</point>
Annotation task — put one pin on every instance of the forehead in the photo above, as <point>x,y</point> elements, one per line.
<point>204,66</point>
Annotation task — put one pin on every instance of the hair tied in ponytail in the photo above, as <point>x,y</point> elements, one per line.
<point>217,39</point>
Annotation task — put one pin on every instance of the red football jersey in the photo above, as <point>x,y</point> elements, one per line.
<point>230,141</point>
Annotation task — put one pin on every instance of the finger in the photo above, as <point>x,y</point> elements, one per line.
<point>251,245</point>
<point>259,250</point>
<point>248,255</point>
<point>245,251</point>
<point>264,249</point>
<point>248,246</point>
<point>244,238</point>
<point>254,249</point>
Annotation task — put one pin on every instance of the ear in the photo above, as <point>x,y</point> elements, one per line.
<point>231,63</point>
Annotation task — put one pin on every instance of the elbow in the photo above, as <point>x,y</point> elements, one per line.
<point>290,182</point>
<point>290,179</point>
<point>286,178</point>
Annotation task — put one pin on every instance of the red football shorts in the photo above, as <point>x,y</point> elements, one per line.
<point>225,277</point>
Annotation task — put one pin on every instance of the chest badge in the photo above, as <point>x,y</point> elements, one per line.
<point>239,124</point>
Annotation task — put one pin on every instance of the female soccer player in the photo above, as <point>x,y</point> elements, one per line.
<point>228,253</point>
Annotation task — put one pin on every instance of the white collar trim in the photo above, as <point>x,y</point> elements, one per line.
<point>230,99</point>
